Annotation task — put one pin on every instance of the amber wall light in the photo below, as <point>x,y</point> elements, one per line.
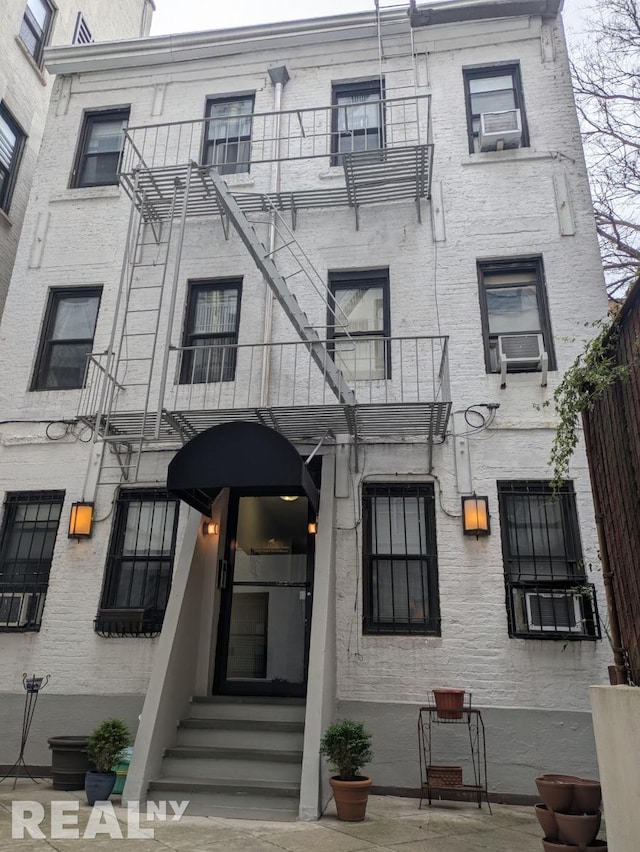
<point>210,528</point>
<point>475,515</point>
<point>81,520</point>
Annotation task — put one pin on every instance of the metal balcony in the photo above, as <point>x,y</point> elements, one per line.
<point>401,384</point>
<point>395,166</point>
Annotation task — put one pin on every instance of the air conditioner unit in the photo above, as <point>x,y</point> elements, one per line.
<point>499,130</point>
<point>554,611</point>
<point>522,352</point>
<point>14,608</point>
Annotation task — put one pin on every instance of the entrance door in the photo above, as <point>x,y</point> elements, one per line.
<point>265,613</point>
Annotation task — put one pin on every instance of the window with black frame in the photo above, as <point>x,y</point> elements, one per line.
<point>400,564</point>
<point>515,314</point>
<point>227,137</point>
<point>11,145</point>
<point>493,89</point>
<point>357,119</point>
<point>100,148</point>
<point>67,339</point>
<point>139,563</point>
<point>211,332</point>
<point>29,529</point>
<point>548,596</point>
<point>359,322</point>
<point>36,27</point>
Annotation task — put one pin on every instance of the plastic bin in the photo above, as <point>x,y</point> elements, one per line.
<point>121,768</point>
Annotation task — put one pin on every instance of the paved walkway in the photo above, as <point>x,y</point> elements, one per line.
<point>392,824</point>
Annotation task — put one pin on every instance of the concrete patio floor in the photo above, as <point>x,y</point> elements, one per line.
<point>392,824</point>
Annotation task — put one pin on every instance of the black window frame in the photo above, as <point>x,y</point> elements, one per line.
<point>516,265</point>
<point>361,279</point>
<point>355,88</point>
<point>498,70</point>
<point>11,173</point>
<point>546,576</point>
<point>90,119</point>
<point>41,38</point>
<point>47,344</point>
<point>33,582</point>
<point>229,167</point>
<point>115,618</point>
<point>372,624</point>
<point>82,33</point>
<point>227,366</point>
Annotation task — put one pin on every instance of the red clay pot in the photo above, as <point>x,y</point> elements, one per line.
<point>557,795</point>
<point>547,821</point>
<point>587,796</point>
<point>449,703</point>
<point>556,846</point>
<point>579,829</point>
<point>351,798</point>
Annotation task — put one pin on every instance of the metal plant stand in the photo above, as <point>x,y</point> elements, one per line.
<point>33,686</point>
<point>441,778</point>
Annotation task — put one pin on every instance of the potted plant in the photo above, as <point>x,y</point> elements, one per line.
<point>103,748</point>
<point>347,747</point>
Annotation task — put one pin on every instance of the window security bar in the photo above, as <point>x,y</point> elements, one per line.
<point>553,611</point>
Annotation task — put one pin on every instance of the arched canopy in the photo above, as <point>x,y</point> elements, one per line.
<point>238,455</point>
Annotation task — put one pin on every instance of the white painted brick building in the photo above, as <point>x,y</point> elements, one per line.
<point>459,255</point>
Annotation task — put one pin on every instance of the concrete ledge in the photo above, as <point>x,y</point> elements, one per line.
<point>455,796</point>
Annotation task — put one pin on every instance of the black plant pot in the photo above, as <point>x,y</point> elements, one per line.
<point>98,786</point>
<point>69,762</point>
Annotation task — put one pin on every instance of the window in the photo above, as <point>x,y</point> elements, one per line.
<point>513,301</point>
<point>211,332</point>
<point>357,119</point>
<point>227,142</point>
<point>100,148</point>
<point>82,34</point>
<point>36,27</point>
<point>359,323</point>
<point>494,89</point>
<point>67,339</point>
<point>139,563</point>
<point>11,145</point>
<point>29,531</point>
<point>400,559</point>
<point>547,593</point>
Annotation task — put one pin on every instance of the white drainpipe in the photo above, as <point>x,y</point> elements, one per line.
<point>279,77</point>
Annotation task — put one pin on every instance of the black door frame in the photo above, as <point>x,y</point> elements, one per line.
<point>221,686</point>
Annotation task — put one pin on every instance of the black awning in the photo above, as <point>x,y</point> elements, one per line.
<point>244,456</point>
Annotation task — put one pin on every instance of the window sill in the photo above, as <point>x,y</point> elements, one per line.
<point>82,193</point>
<point>38,70</point>
<point>333,173</point>
<point>4,218</point>
<point>517,155</point>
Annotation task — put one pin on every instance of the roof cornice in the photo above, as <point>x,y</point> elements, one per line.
<point>431,14</point>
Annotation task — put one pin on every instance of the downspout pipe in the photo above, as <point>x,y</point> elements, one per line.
<point>607,574</point>
<point>279,77</point>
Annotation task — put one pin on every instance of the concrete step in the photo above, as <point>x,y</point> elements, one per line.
<point>239,764</point>
<point>238,733</point>
<point>221,707</point>
<point>226,798</point>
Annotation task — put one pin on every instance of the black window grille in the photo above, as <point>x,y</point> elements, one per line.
<point>227,138</point>
<point>82,34</point>
<point>29,530</point>
<point>67,339</point>
<point>548,595</point>
<point>400,565</point>
<point>211,332</point>
<point>359,323</point>
<point>11,145</point>
<point>496,88</point>
<point>139,564</point>
<point>36,27</point>
<point>100,148</point>
<point>357,119</point>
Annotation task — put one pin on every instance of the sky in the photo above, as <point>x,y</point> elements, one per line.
<point>178,16</point>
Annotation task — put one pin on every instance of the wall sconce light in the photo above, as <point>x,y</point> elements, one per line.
<point>81,520</point>
<point>312,527</point>
<point>290,498</point>
<point>475,515</point>
<point>210,528</point>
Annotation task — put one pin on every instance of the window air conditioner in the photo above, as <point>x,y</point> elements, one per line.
<point>522,352</point>
<point>554,611</point>
<point>499,130</point>
<point>14,608</point>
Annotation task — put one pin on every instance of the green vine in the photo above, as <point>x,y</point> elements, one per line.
<point>590,376</point>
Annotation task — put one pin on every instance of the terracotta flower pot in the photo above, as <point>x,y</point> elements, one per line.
<point>579,829</point>
<point>557,795</point>
<point>557,846</point>
<point>351,798</point>
<point>587,796</point>
<point>449,703</point>
<point>547,821</point>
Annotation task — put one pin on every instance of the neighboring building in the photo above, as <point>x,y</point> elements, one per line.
<point>26,28</point>
<point>363,241</point>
